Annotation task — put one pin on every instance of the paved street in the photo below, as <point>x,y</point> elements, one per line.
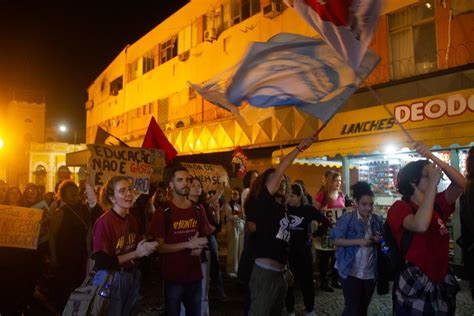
<point>325,304</point>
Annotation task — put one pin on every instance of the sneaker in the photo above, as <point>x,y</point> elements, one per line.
<point>232,275</point>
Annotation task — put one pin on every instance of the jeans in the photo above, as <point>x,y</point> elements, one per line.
<point>124,291</point>
<point>357,295</point>
<point>302,269</point>
<point>187,293</point>
<point>215,272</point>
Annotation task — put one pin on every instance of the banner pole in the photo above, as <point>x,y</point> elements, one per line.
<point>377,97</point>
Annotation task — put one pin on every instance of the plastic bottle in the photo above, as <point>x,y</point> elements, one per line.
<point>384,247</point>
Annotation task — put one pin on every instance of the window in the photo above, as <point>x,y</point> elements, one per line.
<point>168,50</point>
<point>116,85</point>
<point>243,9</point>
<point>187,38</point>
<point>219,19</point>
<point>412,37</point>
<point>163,110</point>
<point>133,70</point>
<point>149,61</point>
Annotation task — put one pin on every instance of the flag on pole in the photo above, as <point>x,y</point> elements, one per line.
<point>155,138</point>
<point>290,69</point>
<point>346,25</point>
<point>105,138</point>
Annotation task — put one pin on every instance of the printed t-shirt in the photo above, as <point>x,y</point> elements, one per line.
<point>429,250</point>
<point>273,229</point>
<point>300,218</point>
<point>180,266</point>
<point>109,234</point>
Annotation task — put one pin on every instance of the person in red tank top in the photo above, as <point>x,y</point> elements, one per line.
<point>425,212</point>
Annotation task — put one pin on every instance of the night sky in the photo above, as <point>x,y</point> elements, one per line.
<point>58,48</point>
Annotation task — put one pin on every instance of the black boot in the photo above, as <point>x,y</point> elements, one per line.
<point>325,286</point>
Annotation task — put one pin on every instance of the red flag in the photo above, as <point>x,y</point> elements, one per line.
<point>346,25</point>
<point>155,138</point>
<point>105,138</point>
<point>239,159</point>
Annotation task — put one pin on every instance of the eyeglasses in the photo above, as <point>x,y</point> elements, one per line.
<point>124,191</point>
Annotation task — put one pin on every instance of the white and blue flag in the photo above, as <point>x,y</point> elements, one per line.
<point>289,69</point>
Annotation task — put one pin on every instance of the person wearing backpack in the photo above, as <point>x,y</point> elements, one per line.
<point>356,236</point>
<point>117,244</point>
<point>425,285</point>
<point>182,234</point>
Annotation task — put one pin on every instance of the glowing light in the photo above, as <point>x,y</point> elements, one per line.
<point>390,150</point>
<point>63,128</point>
<point>428,5</point>
<point>1,143</point>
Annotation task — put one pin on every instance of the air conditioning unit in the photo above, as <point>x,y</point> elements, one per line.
<point>210,34</point>
<point>183,122</point>
<point>183,56</point>
<point>272,10</point>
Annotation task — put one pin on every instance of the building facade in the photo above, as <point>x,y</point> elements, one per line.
<point>427,65</point>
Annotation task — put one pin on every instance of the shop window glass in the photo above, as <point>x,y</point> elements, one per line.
<point>412,36</point>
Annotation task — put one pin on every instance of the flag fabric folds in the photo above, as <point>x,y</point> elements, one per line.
<point>105,138</point>
<point>290,69</point>
<point>346,25</point>
<point>155,138</point>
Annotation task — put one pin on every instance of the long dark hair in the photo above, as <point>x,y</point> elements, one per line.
<point>247,177</point>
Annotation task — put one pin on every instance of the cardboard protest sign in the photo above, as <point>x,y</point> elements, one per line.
<point>19,226</point>
<point>138,164</point>
<point>213,177</point>
<point>323,242</point>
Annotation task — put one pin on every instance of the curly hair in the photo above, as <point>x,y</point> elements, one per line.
<point>361,188</point>
<point>64,186</point>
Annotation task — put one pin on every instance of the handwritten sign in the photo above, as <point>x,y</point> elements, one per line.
<point>213,177</point>
<point>19,226</point>
<point>138,164</point>
<point>323,242</point>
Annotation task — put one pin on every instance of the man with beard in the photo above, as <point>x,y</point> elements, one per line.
<point>181,229</point>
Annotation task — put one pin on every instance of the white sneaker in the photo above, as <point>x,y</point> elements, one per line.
<point>232,275</point>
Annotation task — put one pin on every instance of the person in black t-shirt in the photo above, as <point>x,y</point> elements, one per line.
<point>266,203</point>
<point>300,258</point>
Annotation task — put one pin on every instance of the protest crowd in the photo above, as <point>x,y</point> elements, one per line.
<point>88,249</point>
<point>115,238</point>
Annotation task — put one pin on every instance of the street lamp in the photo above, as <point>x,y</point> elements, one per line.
<point>2,143</point>
<point>63,129</point>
